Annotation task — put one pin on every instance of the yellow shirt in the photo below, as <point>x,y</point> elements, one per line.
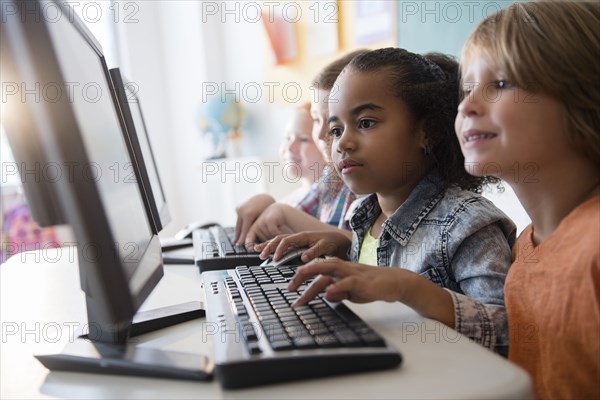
<point>368,250</point>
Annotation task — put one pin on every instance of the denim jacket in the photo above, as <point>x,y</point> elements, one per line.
<point>456,239</point>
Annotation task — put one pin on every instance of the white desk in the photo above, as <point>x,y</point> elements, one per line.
<point>40,294</point>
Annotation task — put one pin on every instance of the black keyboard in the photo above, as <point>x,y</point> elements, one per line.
<point>214,249</point>
<point>259,338</point>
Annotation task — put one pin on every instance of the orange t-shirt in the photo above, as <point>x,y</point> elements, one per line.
<point>552,295</point>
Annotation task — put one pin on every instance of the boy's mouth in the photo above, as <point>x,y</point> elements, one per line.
<point>474,136</point>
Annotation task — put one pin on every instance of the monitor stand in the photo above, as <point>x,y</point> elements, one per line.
<point>85,355</point>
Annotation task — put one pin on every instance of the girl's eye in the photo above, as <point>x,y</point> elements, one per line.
<point>365,123</point>
<point>335,132</point>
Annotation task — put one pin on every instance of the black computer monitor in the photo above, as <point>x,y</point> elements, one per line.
<point>146,170</point>
<point>64,116</point>
<point>141,151</point>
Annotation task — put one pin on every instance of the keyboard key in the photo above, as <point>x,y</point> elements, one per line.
<point>249,333</point>
<point>373,339</point>
<point>280,345</point>
<point>304,342</point>
<point>240,249</point>
<point>222,239</point>
<point>253,348</point>
<point>347,337</point>
<point>326,340</point>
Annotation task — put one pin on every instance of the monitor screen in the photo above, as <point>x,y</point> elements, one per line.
<point>141,151</point>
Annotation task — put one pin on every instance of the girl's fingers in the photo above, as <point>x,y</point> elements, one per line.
<point>286,242</point>
<point>332,267</point>
<point>261,246</point>
<point>280,250</point>
<point>268,247</point>
<point>312,290</point>
<point>336,297</point>
<point>310,254</point>
<point>346,285</point>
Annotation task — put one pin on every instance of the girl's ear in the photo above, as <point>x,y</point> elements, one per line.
<point>426,149</point>
<point>425,145</point>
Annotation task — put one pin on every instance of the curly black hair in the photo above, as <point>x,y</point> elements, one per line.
<point>429,85</point>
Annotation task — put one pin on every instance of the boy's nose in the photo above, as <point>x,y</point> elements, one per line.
<point>471,104</point>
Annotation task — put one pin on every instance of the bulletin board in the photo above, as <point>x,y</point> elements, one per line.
<point>358,25</point>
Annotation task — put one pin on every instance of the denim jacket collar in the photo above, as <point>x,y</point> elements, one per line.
<point>405,220</point>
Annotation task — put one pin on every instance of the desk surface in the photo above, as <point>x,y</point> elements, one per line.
<point>42,306</point>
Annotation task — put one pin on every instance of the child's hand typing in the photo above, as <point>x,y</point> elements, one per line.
<point>280,219</point>
<point>334,244</point>
<point>272,222</point>
<point>359,283</point>
<point>248,212</point>
<point>343,280</point>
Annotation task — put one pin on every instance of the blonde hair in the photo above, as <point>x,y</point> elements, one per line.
<point>549,47</point>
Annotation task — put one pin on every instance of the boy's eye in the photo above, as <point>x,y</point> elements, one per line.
<point>503,84</point>
<point>366,123</point>
<point>468,87</point>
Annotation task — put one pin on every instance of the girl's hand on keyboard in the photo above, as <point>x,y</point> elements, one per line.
<point>344,280</point>
<point>319,244</point>
<point>359,283</point>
